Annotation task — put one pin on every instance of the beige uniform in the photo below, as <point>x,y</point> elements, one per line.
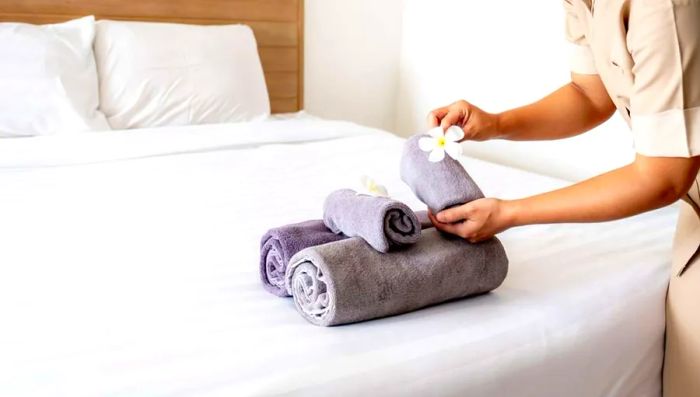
<point>647,53</point>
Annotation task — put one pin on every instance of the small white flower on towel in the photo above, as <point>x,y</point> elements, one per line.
<point>372,188</point>
<point>439,143</point>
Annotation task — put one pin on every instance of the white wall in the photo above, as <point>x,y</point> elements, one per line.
<point>386,63</point>
<point>498,54</point>
<point>351,60</point>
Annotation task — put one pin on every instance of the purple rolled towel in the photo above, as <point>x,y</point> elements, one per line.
<point>279,244</point>
<point>382,222</point>
<point>439,185</point>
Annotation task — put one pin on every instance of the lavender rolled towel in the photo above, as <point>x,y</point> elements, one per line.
<point>439,185</point>
<point>279,244</point>
<point>347,281</point>
<point>382,222</point>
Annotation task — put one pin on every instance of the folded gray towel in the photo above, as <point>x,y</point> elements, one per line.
<point>439,185</point>
<point>382,222</point>
<point>279,244</point>
<point>348,281</point>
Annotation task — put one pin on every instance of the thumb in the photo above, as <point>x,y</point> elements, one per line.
<point>454,214</point>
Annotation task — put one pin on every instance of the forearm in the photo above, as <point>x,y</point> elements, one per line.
<point>646,184</point>
<point>573,109</point>
<point>626,191</point>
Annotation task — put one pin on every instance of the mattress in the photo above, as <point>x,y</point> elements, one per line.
<point>128,267</point>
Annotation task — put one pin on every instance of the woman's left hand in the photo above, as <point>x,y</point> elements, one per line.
<point>476,221</point>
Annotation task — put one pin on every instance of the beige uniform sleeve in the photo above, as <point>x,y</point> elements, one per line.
<point>581,57</point>
<point>664,40</point>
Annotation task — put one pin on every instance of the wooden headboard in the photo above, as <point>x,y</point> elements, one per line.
<point>278,27</point>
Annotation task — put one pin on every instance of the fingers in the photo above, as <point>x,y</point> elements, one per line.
<point>449,228</point>
<point>445,227</point>
<point>454,214</point>
<point>466,229</point>
<point>470,231</point>
<point>458,115</point>
<point>432,218</point>
<point>435,116</point>
<point>454,116</point>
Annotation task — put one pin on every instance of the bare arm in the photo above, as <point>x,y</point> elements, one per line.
<point>648,183</point>
<point>571,110</point>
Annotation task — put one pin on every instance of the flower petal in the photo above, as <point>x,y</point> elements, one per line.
<point>454,134</point>
<point>453,149</point>
<point>426,144</point>
<point>436,132</point>
<point>380,191</point>
<point>436,155</point>
<point>364,181</point>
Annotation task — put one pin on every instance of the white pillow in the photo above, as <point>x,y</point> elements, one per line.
<point>162,74</point>
<point>48,79</point>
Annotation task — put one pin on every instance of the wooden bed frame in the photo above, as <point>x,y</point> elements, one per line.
<point>278,27</point>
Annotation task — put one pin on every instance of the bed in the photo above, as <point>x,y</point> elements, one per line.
<point>129,259</point>
<point>129,268</point>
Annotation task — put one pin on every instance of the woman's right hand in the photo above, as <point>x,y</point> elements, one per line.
<point>477,124</point>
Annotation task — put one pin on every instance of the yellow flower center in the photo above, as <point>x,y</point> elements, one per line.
<point>441,142</point>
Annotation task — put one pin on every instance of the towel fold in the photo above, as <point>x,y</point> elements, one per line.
<point>423,219</point>
<point>279,244</point>
<point>383,222</point>
<point>347,281</point>
<point>439,185</point>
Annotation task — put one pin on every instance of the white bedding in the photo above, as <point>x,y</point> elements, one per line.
<point>128,270</point>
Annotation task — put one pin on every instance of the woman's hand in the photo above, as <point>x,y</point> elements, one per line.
<point>477,124</point>
<point>475,221</point>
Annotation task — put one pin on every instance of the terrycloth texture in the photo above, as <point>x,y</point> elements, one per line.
<point>423,219</point>
<point>439,185</point>
<point>279,244</point>
<point>382,222</point>
<point>348,281</point>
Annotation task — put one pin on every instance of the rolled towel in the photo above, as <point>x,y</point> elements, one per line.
<point>382,222</point>
<point>439,185</point>
<point>348,281</point>
<point>279,244</point>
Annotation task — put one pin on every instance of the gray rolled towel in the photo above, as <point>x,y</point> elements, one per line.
<point>439,185</point>
<point>382,222</point>
<point>347,281</point>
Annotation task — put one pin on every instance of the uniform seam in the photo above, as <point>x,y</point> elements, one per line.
<point>682,72</point>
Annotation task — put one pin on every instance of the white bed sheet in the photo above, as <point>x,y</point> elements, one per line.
<point>127,270</point>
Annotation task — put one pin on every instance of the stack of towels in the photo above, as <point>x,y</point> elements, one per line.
<point>374,257</point>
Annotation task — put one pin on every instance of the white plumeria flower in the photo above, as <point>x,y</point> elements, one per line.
<point>372,188</point>
<point>439,143</point>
